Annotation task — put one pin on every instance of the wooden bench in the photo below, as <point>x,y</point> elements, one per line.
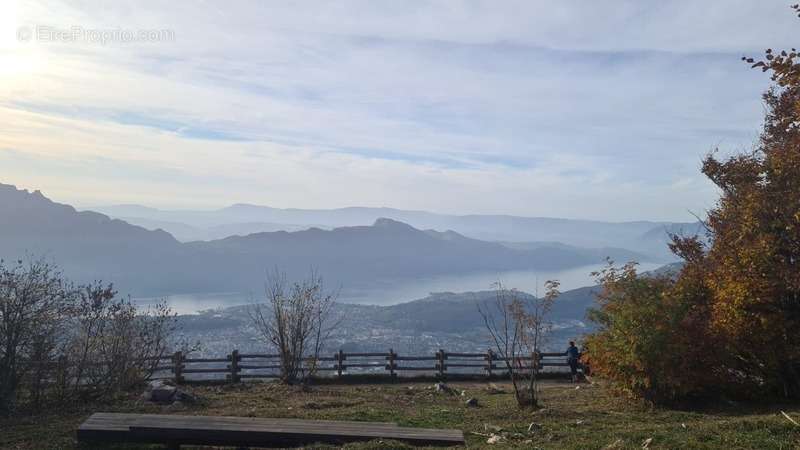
<point>174,430</point>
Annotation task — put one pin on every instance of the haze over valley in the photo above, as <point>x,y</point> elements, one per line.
<point>369,257</point>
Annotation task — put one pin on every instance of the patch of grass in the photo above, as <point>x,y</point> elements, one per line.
<point>593,416</point>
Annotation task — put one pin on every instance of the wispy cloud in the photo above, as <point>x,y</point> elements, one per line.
<point>535,108</point>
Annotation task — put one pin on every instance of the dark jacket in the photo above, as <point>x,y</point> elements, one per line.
<point>573,353</point>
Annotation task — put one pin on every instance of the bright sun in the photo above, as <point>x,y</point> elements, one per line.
<point>19,54</point>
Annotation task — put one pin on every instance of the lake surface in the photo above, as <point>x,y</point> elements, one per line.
<point>390,292</point>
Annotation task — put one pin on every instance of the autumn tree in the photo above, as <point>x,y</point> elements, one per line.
<point>652,335</point>
<point>753,262</point>
<point>738,293</point>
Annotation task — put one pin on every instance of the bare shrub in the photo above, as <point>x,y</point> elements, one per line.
<point>112,346</point>
<point>34,300</point>
<point>518,327</point>
<point>295,319</point>
<point>59,343</point>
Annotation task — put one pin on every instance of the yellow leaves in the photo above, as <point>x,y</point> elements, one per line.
<point>734,294</point>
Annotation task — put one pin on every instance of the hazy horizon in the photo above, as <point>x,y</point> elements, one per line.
<point>79,207</point>
<point>212,208</point>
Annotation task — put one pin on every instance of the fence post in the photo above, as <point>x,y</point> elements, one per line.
<point>490,363</point>
<point>339,365</point>
<point>441,356</point>
<point>62,376</point>
<point>234,358</point>
<point>177,368</point>
<point>391,357</point>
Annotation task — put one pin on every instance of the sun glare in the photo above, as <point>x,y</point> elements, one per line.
<point>19,54</point>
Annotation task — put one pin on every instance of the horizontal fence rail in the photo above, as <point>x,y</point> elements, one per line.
<point>237,366</point>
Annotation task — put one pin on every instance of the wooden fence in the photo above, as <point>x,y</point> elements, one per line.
<point>236,366</point>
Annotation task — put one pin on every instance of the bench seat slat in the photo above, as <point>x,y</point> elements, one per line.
<point>243,431</point>
<point>129,418</point>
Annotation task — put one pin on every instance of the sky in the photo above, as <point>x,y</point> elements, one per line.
<point>593,110</point>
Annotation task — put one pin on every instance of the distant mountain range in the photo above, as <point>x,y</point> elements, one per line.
<point>89,245</point>
<point>642,236</point>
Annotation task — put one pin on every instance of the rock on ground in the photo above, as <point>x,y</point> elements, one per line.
<point>159,391</point>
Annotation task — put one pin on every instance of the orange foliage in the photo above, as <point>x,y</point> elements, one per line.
<point>730,320</point>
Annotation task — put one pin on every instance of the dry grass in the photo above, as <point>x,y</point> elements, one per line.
<point>589,417</point>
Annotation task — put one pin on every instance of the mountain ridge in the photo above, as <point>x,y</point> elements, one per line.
<point>646,237</point>
<point>147,263</point>
<point>122,207</point>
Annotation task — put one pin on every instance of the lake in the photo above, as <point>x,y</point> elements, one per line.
<point>389,292</point>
